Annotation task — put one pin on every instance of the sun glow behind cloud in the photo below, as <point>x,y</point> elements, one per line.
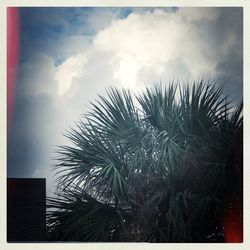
<point>150,44</point>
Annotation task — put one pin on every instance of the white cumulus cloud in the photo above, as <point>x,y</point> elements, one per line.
<point>151,46</point>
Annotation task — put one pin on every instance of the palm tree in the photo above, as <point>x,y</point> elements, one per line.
<point>160,166</point>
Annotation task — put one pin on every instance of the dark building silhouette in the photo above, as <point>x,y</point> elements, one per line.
<point>26,209</point>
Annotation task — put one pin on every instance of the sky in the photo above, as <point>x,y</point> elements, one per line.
<point>70,55</point>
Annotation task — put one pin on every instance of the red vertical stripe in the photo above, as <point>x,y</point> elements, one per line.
<point>12,59</point>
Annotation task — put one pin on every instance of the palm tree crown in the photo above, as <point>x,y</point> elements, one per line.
<point>159,167</point>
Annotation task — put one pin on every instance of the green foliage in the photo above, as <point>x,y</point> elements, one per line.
<point>157,171</point>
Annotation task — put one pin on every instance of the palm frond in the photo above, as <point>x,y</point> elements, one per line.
<point>153,172</point>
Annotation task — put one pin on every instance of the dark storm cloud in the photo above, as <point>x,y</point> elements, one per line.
<point>231,66</point>
<point>34,118</point>
<point>26,143</point>
<point>224,40</point>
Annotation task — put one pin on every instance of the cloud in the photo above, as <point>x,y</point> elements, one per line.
<point>198,14</point>
<point>160,41</point>
<point>102,47</point>
<point>69,69</point>
<point>37,76</point>
<point>35,120</point>
<point>160,44</point>
<point>28,143</point>
<point>100,18</point>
